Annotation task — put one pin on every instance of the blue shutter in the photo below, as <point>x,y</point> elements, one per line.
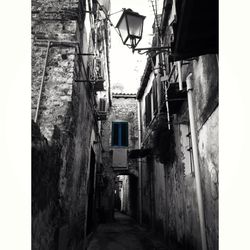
<point>120,134</point>
<point>124,134</point>
<point>115,134</point>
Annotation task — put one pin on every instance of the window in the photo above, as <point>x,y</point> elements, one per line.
<point>155,101</point>
<point>148,108</point>
<point>120,134</point>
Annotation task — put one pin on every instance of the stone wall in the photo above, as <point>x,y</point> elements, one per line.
<point>55,22</point>
<point>67,109</point>
<point>46,214</point>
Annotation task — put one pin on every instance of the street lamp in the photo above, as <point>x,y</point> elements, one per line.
<point>130,28</point>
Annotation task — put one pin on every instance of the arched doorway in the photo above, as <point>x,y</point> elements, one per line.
<point>126,194</point>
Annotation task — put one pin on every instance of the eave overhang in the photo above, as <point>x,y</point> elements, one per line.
<point>196,30</point>
<point>145,78</point>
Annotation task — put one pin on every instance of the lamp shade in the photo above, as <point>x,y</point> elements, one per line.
<point>130,27</point>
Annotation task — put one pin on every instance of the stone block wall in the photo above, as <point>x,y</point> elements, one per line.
<point>53,64</point>
<point>67,109</point>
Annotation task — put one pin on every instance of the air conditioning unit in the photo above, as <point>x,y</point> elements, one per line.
<point>102,114</point>
<point>99,75</point>
<point>99,69</point>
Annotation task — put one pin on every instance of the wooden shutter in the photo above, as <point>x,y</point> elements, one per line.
<point>155,100</point>
<point>120,134</point>
<point>124,134</point>
<point>115,134</point>
<point>148,108</point>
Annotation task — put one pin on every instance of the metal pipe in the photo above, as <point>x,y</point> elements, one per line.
<point>42,82</point>
<point>70,43</point>
<point>196,161</point>
<point>179,75</point>
<point>167,106</point>
<point>140,162</point>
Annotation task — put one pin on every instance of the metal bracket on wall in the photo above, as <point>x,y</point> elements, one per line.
<point>176,99</point>
<point>86,54</point>
<point>87,81</point>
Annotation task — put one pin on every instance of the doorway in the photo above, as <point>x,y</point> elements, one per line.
<point>126,195</point>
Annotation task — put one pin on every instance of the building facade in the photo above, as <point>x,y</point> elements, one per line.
<point>179,202</point>
<point>70,75</point>
<point>119,135</point>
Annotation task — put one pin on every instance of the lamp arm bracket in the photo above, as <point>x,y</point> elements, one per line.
<point>158,50</point>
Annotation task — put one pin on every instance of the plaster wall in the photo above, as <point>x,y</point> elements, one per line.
<point>181,183</point>
<point>124,193</point>
<point>169,191</point>
<point>160,197</point>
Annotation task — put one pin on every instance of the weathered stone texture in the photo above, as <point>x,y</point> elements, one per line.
<point>58,80</point>
<point>57,92</point>
<point>38,63</point>
<point>67,106</point>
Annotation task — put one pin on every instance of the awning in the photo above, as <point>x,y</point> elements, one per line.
<point>140,153</point>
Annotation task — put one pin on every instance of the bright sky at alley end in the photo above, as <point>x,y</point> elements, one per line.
<point>127,68</point>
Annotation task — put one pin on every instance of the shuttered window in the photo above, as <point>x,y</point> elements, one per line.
<point>155,101</point>
<point>148,108</point>
<point>120,134</point>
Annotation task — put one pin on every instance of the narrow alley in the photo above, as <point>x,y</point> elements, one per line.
<point>124,234</point>
<point>125,135</point>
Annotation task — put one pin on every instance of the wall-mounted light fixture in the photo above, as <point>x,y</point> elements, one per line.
<point>130,29</point>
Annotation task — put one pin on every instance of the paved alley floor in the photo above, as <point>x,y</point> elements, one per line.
<point>124,234</point>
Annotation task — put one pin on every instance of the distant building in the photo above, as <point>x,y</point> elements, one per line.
<point>119,135</point>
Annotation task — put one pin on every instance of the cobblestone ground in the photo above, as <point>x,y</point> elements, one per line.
<point>124,234</point>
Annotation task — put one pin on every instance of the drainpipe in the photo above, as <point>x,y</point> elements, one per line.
<point>179,75</point>
<point>196,161</point>
<point>42,82</point>
<point>140,163</point>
